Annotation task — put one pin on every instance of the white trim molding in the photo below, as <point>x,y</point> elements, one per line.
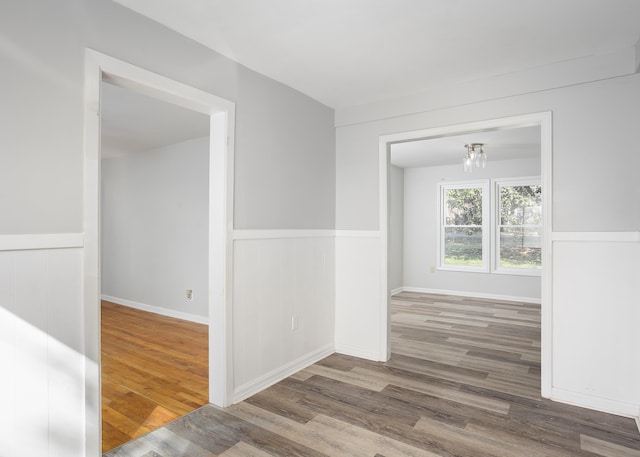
<point>157,309</point>
<point>41,241</point>
<point>397,290</point>
<point>596,403</point>
<point>280,373</point>
<point>99,68</point>
<point>360,352</point>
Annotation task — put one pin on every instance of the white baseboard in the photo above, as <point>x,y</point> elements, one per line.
<point>277,375</point>
<point>397,290</point>
<point>157,310</point>
<point>471,294</point>
<point>361,353</point>
<point>596,403</point>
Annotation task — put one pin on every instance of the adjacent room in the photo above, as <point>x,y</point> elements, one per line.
<point>154,270</point>
<point>473,231</point>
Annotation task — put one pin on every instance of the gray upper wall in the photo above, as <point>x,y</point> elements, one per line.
<point>594,132</point>
<point>285,141</point>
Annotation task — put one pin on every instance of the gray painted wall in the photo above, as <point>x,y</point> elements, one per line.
<point>284,178</point>
<point>284,140</point>
<point>594,163</point>
<point>155,219</point>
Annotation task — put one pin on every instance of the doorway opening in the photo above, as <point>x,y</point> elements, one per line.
<point>541,123</point>
<point>102,75</point>
<point>154,267</point>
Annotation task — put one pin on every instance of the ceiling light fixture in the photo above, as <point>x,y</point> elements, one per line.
<point>475,157</point>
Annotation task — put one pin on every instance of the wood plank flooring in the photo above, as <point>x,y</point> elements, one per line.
<point>463,381</point>
<point>154,370</point>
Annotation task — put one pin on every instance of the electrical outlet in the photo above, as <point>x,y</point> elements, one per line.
<point>294,322</point>
<point>189,294</point>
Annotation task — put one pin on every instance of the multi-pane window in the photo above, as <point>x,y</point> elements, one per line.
<point>519,225</point>
<point>501,232</point>
<point>463,234</point>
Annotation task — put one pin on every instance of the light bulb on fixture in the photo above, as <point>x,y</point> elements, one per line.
<point>475,157</point>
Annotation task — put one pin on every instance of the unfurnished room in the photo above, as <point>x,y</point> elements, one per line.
<point>320,228</point>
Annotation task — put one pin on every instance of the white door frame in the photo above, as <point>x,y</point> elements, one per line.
<point>544,120</point>
<point>100,67</point>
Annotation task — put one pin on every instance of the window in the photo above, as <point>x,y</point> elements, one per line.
<point>500,233</point>
<point>519,225</point>
<point>463,235</point>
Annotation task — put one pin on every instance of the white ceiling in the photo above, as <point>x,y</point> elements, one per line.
<point>349,52</point>
<point>134,122</point>
<point>507,144</point>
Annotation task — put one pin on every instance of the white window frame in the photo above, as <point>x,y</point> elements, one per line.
<point>490,225</point>
<point>483,184</point>
<point>496,184</point>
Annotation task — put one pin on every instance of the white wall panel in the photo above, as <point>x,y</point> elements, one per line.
<point>65,351</point>
<point>30,363</point>
<point>276,280</point>
<point>358,282</point>
<point>7,353</point>
<point>40,348</point>
<point>595,294</point>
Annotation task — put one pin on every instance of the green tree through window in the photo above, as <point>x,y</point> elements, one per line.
<point>491,226</point>
<point>463,226</point>
<point>520,226</point>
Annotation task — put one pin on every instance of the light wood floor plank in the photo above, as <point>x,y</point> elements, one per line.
<point>154,370</point>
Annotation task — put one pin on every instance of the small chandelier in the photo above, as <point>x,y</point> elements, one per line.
<point>475,157</point>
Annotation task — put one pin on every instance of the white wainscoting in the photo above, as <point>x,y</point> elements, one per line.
<point>283,304</point>
<point>596,317</point>
<point>359,327</point>
<point>41,345</point>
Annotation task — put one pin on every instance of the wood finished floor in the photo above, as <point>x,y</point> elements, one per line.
<point>463,380</point>
<point>154,370</point>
